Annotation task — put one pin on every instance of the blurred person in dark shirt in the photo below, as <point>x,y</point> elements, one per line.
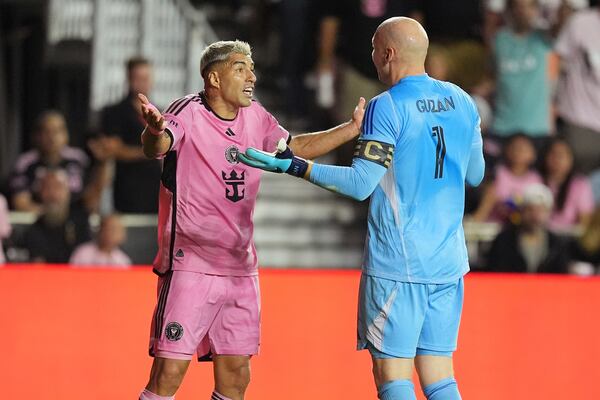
<point>528,246</point>
<point>344,54</point>
<point>62,224</point>
<point>51,151</point>
<point>122,123</point>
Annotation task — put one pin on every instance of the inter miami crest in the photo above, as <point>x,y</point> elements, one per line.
<point>173,331</point>
<point>231,154</point>
<point>233,185</point>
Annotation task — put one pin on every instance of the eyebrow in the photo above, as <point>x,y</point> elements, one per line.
<point>242,62</point>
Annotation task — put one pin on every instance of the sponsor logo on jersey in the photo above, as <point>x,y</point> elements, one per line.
<point>234,183</point>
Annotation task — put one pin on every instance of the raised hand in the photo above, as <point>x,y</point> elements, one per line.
<point>359,113</point>
<point>153,117</point>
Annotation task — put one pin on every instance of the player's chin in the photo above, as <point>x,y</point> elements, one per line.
<point>245,101</point>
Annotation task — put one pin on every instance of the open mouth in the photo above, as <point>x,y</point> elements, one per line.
<point>249,91</point>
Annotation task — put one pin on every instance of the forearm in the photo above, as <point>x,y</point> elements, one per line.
<point>93,192</point>
<point>476,167</point>
<point>313,145</point>
<point>357,181</point>
<point>154,146</point>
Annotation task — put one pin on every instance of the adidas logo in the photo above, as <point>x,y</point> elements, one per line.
<point>179,253</point>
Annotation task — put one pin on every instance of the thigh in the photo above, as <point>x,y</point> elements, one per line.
<point>236,328</point>
<point>187,305</point>
<point>440,327</point>
<point>391,369</point>
<point>390,316</point>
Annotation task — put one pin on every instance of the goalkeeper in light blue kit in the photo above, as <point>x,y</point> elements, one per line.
<point>420,143</point>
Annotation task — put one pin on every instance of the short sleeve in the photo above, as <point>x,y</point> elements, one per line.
<point>179,118</point>
<point>273,133</point>
<point>381,121</point>
<point>19,180</point>
<point>585,196</point>
<point>566,43</point>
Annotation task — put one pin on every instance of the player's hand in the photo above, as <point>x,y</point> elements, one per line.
<point>358,114</point>
<point>151,115</point>
<point>282,160</point>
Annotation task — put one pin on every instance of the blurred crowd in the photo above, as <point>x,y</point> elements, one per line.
<point>532,67</point>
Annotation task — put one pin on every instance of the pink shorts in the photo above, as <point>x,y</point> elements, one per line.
<point>205,314</point>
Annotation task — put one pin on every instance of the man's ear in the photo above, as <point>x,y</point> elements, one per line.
<point>214,79</point>
<point>390,52</point>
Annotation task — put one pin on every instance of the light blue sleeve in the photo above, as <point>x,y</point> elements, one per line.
<point>357,181</point>
<point>381,121</point>
<point>380,124</point>
<point>476,166</point>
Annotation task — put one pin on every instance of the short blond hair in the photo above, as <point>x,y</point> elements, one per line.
<point>220,52</point>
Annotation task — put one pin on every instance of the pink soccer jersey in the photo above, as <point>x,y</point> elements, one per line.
<point>207,197</point>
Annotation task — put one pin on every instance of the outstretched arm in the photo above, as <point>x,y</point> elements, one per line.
<point>371,160</point>
<point>155,140</point>
<point>313,145</point>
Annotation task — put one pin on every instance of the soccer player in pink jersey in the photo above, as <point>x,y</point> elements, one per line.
<point>208,293</point>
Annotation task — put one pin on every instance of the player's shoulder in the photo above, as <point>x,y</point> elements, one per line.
<point>458,93</point>
<point>185,103</point>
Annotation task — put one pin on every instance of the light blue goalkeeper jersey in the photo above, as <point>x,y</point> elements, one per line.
<point>415,231</point>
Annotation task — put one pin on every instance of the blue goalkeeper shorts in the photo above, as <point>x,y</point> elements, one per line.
<point>400,319</point>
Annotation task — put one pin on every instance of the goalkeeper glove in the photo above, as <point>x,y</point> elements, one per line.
<point>282,160</point>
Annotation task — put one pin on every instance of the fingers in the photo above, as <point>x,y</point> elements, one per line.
<point>143,99</point>
<point>361,103</point>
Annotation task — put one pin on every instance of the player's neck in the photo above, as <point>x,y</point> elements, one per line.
<point>220,107</point>
<point>406,72</point>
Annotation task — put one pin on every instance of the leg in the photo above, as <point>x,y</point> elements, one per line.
<point>232,375</point>
<point>393,378</point>
<point>438,342</point>
<point>166,376</point>
<point>436,374</point>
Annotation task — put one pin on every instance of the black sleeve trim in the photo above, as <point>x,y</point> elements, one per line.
<point>172,139</point>
<point>378,152</point>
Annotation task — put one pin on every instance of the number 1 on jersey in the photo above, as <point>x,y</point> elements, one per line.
<point>440,151</point>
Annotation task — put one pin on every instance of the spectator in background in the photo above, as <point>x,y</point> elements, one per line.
<point>62,224</point>
<point>105,249</point>
<point>552,14</point>
<point>573,197</point>
<point>345,52</point>
<point>122,123</point>
<point>5,227</point>
<point>529,246</point>
<point>51,151</point>
<point>585,250</point>
<point>523,84</point>
<point>578,46</point>
<point>501,196</point>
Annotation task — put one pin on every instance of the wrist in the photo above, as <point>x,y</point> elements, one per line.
<point>153,131</point>
<point>298,167</point>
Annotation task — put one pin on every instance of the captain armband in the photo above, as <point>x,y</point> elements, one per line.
<point>374,151</point>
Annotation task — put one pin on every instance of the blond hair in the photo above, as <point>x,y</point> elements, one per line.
<point>220,52</point>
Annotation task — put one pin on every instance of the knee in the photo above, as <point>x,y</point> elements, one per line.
<point>235,378</point>
<point>167,379</point>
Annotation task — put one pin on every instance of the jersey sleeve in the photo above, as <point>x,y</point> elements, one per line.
<point>381,122</point>
<point>476,165</point>
<point>273,132</point>
<point>178,118</point>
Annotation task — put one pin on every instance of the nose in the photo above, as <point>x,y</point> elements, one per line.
<point>251,76</point>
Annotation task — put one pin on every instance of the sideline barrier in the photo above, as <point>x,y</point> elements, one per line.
<point>82,334</point>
